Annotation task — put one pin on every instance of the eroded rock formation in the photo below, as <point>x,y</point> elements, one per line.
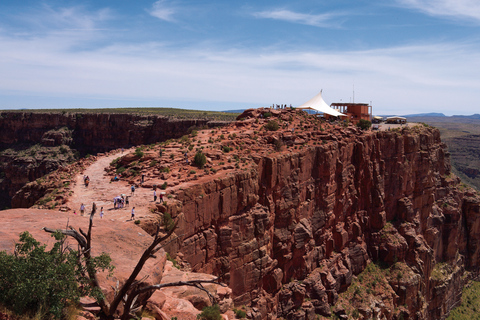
<point>322,213</point>
<point>317,218</point>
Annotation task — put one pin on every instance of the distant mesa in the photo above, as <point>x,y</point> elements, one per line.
<point>473,116</point>
<point>431,114</point>
<point>235,111</point>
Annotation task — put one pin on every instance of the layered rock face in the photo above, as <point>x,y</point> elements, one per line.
<point>85,132</point>
<point>94,132</point>
<point>323,213</point>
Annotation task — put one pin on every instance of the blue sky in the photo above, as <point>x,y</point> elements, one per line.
<point>403,56</point>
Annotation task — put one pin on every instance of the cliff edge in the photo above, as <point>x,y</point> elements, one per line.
<point>305,218</point>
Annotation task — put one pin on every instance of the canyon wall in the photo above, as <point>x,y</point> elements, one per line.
<point>292,232</point>
<point>42,142</point>
<point>94,132</point>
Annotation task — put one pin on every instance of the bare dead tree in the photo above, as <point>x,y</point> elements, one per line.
<point>130,290</point>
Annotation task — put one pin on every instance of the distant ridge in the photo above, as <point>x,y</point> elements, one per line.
<point>235,111</point>
<point>473,116</point>
<point>431,114</point>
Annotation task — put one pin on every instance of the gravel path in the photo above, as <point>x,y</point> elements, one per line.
<point>102,191</point>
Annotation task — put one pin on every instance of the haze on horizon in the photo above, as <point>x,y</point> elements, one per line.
<point>403,56</point>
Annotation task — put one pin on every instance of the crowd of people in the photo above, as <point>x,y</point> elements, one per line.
<point>280,106</point>
<point>120,201</point>
<point>123,200</point>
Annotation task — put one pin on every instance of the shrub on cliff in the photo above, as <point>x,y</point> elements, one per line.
<point>200,160</point>
<point>272,125</point>
<point>210,313</point>
<point>35,281</point>
<point>168,222</point>
<point>364,124</point>
<point>139,152</point>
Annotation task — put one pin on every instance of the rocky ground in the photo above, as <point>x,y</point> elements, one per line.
<point>281,253</point>
<point>172,162</point>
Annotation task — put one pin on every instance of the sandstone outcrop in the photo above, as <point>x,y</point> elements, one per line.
<point>317,218</point>
<point>294,228</point>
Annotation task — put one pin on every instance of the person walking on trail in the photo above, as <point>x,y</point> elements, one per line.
<point>133,213</point>
<point>126,201</point>
<point>82,209</point>
<point>154,195</point>
<point>101,212</point>
<point>143,177</point>
<point>133,190</point>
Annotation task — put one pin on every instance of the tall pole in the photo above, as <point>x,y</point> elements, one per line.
<point>353,93</point>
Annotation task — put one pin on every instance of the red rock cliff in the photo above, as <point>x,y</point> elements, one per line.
<point>323,213</point>
<point>84,132</point>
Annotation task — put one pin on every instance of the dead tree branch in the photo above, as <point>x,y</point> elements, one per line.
<point>130,290</point>
<point>145,256</point>
<point>193,283</point>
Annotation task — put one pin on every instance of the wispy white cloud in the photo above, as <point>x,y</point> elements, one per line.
<point>316,20</point>
<point>163,10</point>
<point>427,77</point>
<point>47,18</point>
<point>404,78</point>
<point>458,9</point>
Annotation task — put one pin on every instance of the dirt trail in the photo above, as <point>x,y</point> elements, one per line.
<point>102,191</point>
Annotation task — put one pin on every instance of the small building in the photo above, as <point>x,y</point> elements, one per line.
<point>396,119</point>
<point>354,111</point>
<point>377,119</point>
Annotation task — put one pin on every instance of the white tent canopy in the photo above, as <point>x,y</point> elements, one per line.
<point>318,104</point>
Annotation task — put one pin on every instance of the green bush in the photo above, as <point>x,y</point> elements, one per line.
<point>272,125</point>
<point>164,185</point>
<point>168,222</point>
<point>240,313</point>
<point>139,152</point>
<point>200,160</point>
<point>114,162</point>
<point>210,313</point>
<point>35,281</point>
<point>364,124</point>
